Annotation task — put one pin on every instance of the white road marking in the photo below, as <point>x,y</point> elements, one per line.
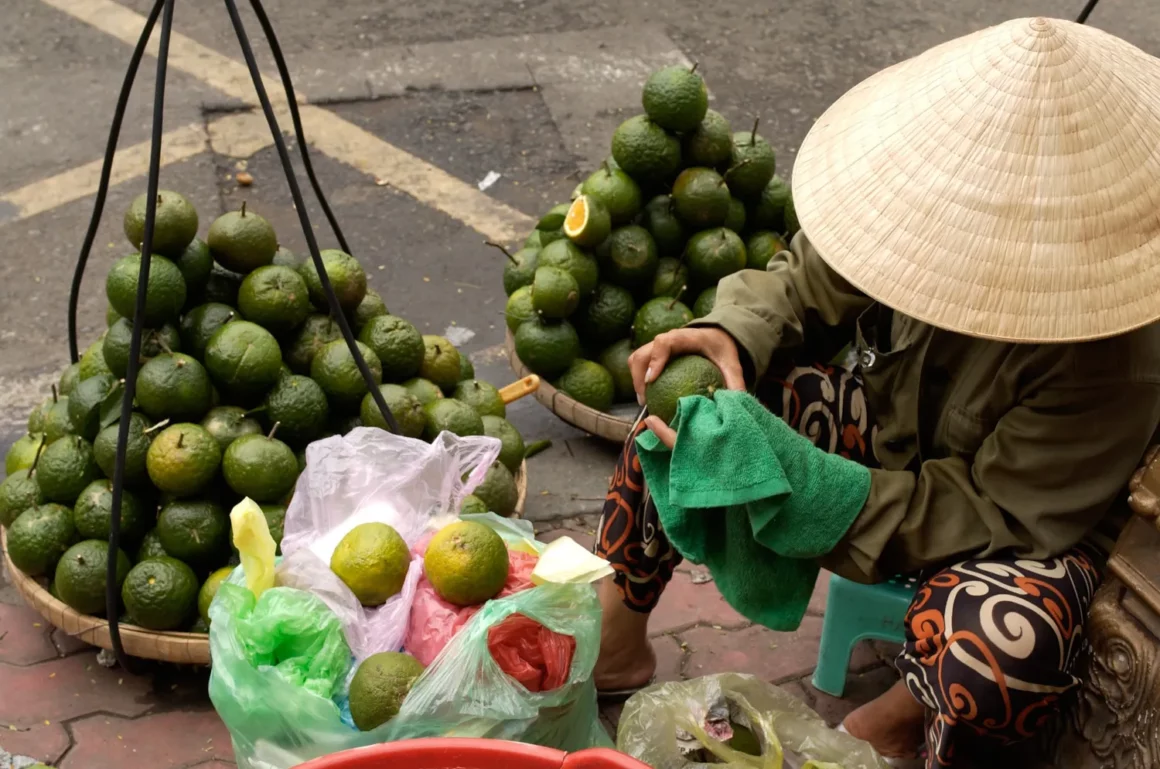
<point>329,133</point>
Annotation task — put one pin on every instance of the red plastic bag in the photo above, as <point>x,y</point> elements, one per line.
<point>538,658</point>
<point>435,621</point>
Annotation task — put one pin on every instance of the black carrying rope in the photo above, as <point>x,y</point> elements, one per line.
<point>296,119</point>
<point>164,9</point>
<point>106,172</point>
<point>1087,11</point>
<point>112,594</point>
<point>300,206</point>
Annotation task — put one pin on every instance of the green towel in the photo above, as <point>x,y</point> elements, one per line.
<point>744,494</point>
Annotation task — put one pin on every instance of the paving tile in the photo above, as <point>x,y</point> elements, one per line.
<point>821,592</point>
<point>798,691</point>
<point>67,688</point>
<point>860,689</point>
<point>886,651</point>
<point>44,742</point>
<point>159,741</point>
<point>214,765</point>
<point>8,594</point>
<point>754,650</point>
<point>66,644</point>
<point>762,652</point>
<point>685,604</point>
<point>179,687</point>
<point>24,636</point>
<point>670,658</point>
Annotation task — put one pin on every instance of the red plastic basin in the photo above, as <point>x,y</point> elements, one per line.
<point>470,754</point>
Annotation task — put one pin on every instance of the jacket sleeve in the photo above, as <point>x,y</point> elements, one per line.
<point>1041,481</point>
<point>768,311</point>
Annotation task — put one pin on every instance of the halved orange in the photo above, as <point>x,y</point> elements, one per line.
<point>587,222</point>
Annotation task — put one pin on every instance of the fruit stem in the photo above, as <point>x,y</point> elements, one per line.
<point>273,430</point>
<point>673,303</point>
<point>604,165</point>
<point>36,459</point>
<point>694,67</point>
<point>180,440</point>
<point>157,426</point>
<point>505,252</point>
<point>54,398</point>
<point>742,164</point>
<point>244,202</point>
<point>753,134</point>
<point>256,410</point>
<point>158,198</point>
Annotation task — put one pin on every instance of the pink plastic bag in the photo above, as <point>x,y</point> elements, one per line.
<point>434,621</point>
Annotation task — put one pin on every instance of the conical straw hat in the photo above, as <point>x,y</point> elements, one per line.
<point>1004,185</point>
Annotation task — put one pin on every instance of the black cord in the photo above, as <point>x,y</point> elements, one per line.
<point>106,172</point>
<point>296,118</point>
<point>1087,11</point>
<point>304,217</point>
<point>112,594</point>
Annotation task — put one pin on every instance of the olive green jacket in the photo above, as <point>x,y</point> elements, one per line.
<point>984,446</point>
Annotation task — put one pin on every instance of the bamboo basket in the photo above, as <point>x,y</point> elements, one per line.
<point>168,646</point>
<point>598,423</point>
<point>185,648</point>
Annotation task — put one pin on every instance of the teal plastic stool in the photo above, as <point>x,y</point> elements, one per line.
<point>856,612</point>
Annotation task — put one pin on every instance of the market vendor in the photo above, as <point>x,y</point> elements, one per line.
<point>982,222</point>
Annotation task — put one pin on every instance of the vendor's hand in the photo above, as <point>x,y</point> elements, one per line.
<point>667,435</point>
<point>647,362</point>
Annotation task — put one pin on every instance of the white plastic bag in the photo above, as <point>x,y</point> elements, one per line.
<point>372,476</point>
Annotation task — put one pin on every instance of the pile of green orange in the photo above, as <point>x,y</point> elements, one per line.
<point>241,367</point>
<point>682,202</point>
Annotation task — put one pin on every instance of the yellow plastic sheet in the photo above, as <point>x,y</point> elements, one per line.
<point>255,545</point>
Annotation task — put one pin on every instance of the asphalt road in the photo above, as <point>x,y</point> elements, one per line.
<point>436,95</point>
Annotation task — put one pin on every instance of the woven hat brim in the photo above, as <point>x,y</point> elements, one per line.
<point>1004,185</point>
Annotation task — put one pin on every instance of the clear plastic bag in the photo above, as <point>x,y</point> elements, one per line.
<point>734,721</point>
<point>372,476</point>
<point>465,693</point>
<point>276,724</point>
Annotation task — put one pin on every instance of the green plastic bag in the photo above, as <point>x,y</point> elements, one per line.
<point>277,663</point>
<point>733,721</point>
<point>280,715</point>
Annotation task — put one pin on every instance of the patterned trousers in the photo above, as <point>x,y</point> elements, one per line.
<point>990,643</point>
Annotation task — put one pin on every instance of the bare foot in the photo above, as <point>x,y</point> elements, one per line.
<point>892,723</point>
<point>627,659</point>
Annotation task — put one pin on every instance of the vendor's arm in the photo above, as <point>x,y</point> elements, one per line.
<point>1039,483</point>
<point>768,311</point>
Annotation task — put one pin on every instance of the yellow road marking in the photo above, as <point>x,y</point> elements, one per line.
<point>238,136</point>
<point>326,131</point>
<point>432,186</point>
<point>130,162</point>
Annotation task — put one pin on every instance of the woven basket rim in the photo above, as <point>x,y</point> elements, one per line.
<point>598,423</point>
